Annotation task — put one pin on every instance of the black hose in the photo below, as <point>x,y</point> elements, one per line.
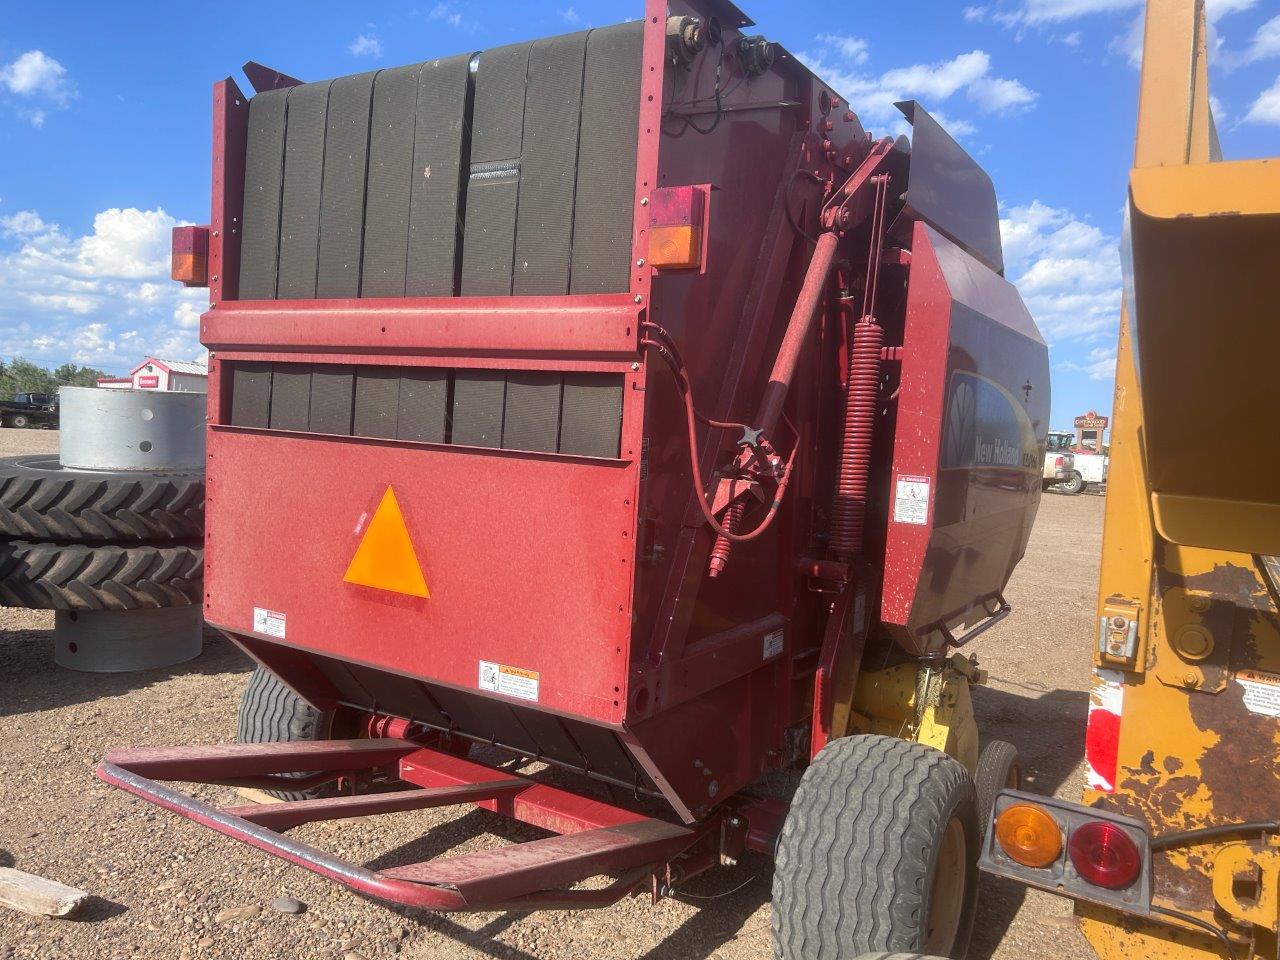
<point>1187,838</point>
<point>1207,927</point>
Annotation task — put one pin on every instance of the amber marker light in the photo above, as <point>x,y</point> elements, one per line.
<point>1028,835</point>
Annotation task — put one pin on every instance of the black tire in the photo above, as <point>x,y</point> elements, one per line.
<point>77,576</point>
<point>998,767</point>
<point>42,500</point>
<point>860,852</point>
<point>1073,485</point>
<point>272,713</point>
<point>19,420</point>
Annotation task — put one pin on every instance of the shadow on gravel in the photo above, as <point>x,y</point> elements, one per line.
<point>33,682</point>
<point>1047,727</point>
<point>97,909</point>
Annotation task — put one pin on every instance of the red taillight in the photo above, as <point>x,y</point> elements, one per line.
<point>1104,855</point>
<point>1059,462</point>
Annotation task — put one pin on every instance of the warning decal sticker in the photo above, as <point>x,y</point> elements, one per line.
<point>1261,691</point>
<point>511,681</point>
<point>269,622</point>
<point>911,500</point>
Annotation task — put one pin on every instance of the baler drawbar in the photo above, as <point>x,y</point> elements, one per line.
<point>617,404</point>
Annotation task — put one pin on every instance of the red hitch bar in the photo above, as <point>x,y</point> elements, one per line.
<point>593,838</point>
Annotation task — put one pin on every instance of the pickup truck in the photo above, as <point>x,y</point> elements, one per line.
<point>1058,467</point>
<point>30,410</point>
<point>1088,466</point>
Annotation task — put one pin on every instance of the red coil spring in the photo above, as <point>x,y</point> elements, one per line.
<point>848,515</point>
<point>720,549</point>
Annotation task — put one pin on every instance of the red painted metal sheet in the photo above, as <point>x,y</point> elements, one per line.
<point>969,435</point>
<point>283,816</point>
<point>600,325</point>
<point>535,865</point>
<point>210,763</point>
<point>527,559</point>
<point>230,134</point>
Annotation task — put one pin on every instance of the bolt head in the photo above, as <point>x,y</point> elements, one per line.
<point>644,201</point>
<point>639,299</point>
<point>640,262</point>
<point>635,366</point>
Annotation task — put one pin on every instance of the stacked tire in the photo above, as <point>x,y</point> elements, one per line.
<point>89,540</point>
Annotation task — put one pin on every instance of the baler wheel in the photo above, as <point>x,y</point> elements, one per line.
<point>998,767</point>
<point>42,500</point>
<point>107,576</point>
<point>878,853</point>
<point>272,713</point>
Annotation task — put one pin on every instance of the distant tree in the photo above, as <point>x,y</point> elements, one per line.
<point>23,376</point>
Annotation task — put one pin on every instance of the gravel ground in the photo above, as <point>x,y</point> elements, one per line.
<point>161,885</point>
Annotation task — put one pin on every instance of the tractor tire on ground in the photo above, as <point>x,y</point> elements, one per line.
<point>78,576</point>
<point>878,853</point>
<point>42,500</point>
<point>1073,485</point>
<point>272,713</point>
<point>998,767</point>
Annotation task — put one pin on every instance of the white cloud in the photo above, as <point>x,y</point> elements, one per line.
<point>37,78</point>
<point>1129,44</point>
<point>853,49</point>
<point>975,14</point>
<point>1265,43</point>
<point>365,45</point>
<point>1057,11</point>
<point>103,298</point>
<point>446,13</point>
<point>1100,364</point>
<point>872,97</point>
<point>570,15</point>
<point>1067,271</point>
<point>1266,109</point>
<point>1072,39</point>
<point>1215,10</point>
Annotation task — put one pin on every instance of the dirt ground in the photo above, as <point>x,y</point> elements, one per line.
<point>159,883</point>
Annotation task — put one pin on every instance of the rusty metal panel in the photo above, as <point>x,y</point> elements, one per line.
<point>346,154</point>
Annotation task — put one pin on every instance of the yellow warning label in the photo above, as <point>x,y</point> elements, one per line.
<point>385,558</point>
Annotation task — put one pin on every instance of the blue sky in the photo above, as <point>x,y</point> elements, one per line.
<point>104,136</point>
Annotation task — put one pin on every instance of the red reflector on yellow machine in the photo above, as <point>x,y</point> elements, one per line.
<point>385,559</point>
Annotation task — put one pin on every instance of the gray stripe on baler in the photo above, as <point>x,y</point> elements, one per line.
<point>377,401</point>
<point>531,418</point>
<point>290,396</point>
<point>440,140</point>
<point>497,135</point>
<point>423,406</point>
<point>591,414</point>
<point>332,395</point>
<point>548,166</point>
<point>477,407</point>
<point>346,154</point>
<point>602,216</point>
<point>263,172</point>
<point>300,203</point>
<point>386,214</point>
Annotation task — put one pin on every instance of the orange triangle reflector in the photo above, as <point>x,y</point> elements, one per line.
<point>385,559</point>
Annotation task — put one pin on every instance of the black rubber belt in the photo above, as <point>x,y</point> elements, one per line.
<point>386,226</point>
<point>290,396</point>
<point>602,215</point>
<point>548,166</point>
<point>423,406</point>
<point>591,414</point>
<point>441,138</point>
<point>497,135</point>
<point>263,167</point>
<point>346,155</point>
<point>531,417</point>
<point>300,205</point>
<point>478,407</point>
<point>332,395</point>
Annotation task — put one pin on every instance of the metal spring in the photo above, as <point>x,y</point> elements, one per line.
<point>848,515</point>
<point>720,549</point>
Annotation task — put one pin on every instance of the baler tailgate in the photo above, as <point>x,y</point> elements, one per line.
<point>596,838</point>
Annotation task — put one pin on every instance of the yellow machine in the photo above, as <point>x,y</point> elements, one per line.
<point>1184,725</point>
